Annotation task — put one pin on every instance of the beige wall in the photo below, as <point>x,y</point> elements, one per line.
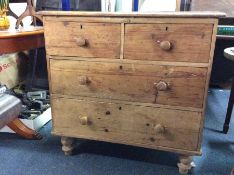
<point>226,6</point>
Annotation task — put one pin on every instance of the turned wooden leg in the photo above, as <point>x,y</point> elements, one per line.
<point>21,129</point>
<point>185,164</point>
<point>67,145</point>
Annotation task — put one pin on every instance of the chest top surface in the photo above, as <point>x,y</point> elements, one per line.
<point>197,14</point>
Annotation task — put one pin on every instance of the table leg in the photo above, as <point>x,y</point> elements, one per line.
<point>32,72</point>
<point>229,110</point>
<point>21,129</point>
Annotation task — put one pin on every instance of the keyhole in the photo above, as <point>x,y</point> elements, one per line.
<point>81,26</point>
<point>166,28</point>
<point>121,67</point>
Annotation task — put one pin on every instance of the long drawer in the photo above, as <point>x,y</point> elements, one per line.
<point>92,40</point>
<point>168,42</point>
<point>170,85</point>
<point>128,124</point>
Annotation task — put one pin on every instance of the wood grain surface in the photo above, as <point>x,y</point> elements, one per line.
<point>225,6</point>
<point>206,14</point>
<point>102,39</point>
<point>142,42</point>
<point>129,82</point>
<point>136,79</point>
<point>129,124</point>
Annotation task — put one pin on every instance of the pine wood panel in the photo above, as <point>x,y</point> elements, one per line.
<point>62,40</point>
<point>142,42</point>
<point>120,61</point>
<point>126,62</point>
<point>126,20</point>
<point>128,124</point>
<point>208,80</point>
<point>129,82</point>
<point>192,15</point>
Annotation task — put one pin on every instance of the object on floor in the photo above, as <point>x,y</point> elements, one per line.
<point>34,123</point>
<point>229,54</point>
<point>10,108</point>
<point>35,112</point>
<point>150,95</point>
<point>34,104</point>
<point>12,69</point>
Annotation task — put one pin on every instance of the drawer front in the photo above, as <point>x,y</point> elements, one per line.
<point>99,40</point>
<point>127,124</point>
<point>168,42</point>
<point>168,85</point>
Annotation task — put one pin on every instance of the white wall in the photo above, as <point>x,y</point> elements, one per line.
<point>158,5</point>
<point>18,9</point>
<point>124,5</point>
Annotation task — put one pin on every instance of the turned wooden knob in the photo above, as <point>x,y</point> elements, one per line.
<point>84,120</point>
<point>84,80</point>
<point>80,41</point>
<point>159,129</point>
<point>161,86</point>
<point>165,45</point>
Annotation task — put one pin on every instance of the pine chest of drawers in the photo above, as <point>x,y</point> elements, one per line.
<point>136,79</point>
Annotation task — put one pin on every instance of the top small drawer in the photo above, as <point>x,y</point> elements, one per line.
<point>91,40</point>
<point>168,42</point>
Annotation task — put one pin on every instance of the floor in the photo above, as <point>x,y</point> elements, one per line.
<point>44,157</point>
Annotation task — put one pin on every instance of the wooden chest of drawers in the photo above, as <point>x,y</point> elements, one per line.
<point>136,79</point>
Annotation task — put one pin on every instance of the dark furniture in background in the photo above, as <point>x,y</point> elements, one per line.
<point>229,54</point>
<point>80,5</point>
<point>223,69</point>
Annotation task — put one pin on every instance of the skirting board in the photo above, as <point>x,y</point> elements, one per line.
<point>35,124</point>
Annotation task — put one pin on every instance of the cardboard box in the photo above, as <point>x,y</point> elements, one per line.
<point>13,69</point>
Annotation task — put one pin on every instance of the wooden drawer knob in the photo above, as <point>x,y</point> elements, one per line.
<point>84,120</point>
<point>159,129</point>
<point>84,80</point>
<point>161,86</point>
<point>165,45</point>
<point>80,41</point>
